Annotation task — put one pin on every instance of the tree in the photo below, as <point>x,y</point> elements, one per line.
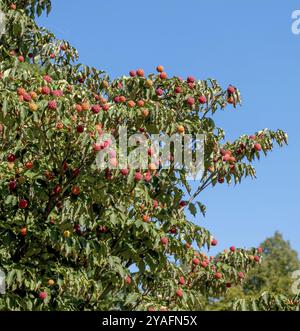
<point>76,237</point>
<point>269,286</point>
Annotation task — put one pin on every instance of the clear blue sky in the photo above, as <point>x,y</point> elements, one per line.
<point>245,43</point>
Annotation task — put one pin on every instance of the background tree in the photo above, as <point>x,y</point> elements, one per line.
<point>270,281</point>
<point>74,237</point>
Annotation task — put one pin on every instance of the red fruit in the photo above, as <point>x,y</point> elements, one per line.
<point>178,89</point>
<point>182,204</point>
<point>202,99</point>
<point>57,93</point>
<point>231,90</point>
<point>57,189</point>
<point>11,158</point>
<point>181,280</point>
<point>228,285</point>
<point>252,137</point>
<point>140,72</point>
<point>23,204</point>
<point>131,104</point>
<point>23,232</point>
<point>21,91</point>
<point>27,97</point>
<point>146,218</point>
<point>241,275</point>
<point>132,73</point>
<point>163,75</point>
<point>196,261</point>
<point>151,309</point>
<point>173,230</point>
<point>164,241</point>
<point>43,295</point>
<point>138,176</point>
<point>95,109</point>
<point>155,203</point>
<point>21,58</point>
<point>29,165</point>
<point>190,101</point>
<point>179,293</point>
<point>122,98</point>
<point>97,147</point>
<point>45,90</point>
<point>124,172</point>
<point>257,147</point>
<point>105,107</point>
<point>214,242</point>
<point>117,99</point>
<point>232,248</point>
<point>12,185</point>
<point>47,78</point>
<point>159,92</point>
<point>147,176</point>
<point>188,245</point>
<point>140,103</point>
<point>259,250</point>
<point>128,280</point>
<point>80,129</point>
<point>76,172</point>
<point>13,6</point>
<point>218,275</point>
<point>52,104</point>
<point>160,68</point>
<point>256,258</point>
<point>204,264</point>
<point>52,56</point>
<point>221,180</point>
<point>75,190</point>
<point>59,126</point>
<point>190,79</point>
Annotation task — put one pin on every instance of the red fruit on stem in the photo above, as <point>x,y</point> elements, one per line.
<point>138,176</point>
<point>159,92</point>
<point>257,147</point>
<point>52,104</point>
<point>181,280</point>
<point>164,241</point>
<point>140,72</point>
<point>190,101</point>
<point>128,280</point>
<point>218,275</point>
<point>214,242</point>
<point>179,293</point>
<point>178,89</point>
<point>256,258</point>
<point>202,99</point>
<point>47,78</point>
<point>241,275</point>
<point>46,90</point>
<point>43,295</point>
<point>23,204</point>
<point>160,68</point>
<point>196,261</point>
<point>124,172</point>
<point>11,158</point>
<point>132,73</point>
<point>191,79</point>
<point>12,185</point>
<point>80,129</point>
<point>163,75</point>
<point>23,232</point>
<point>259,250</point>
<point>231,90</point>
<point>232,248</point>
<point>204,264</point>
<point>21,58</point>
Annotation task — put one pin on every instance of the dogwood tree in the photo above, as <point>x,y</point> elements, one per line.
<point>74,236</point>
